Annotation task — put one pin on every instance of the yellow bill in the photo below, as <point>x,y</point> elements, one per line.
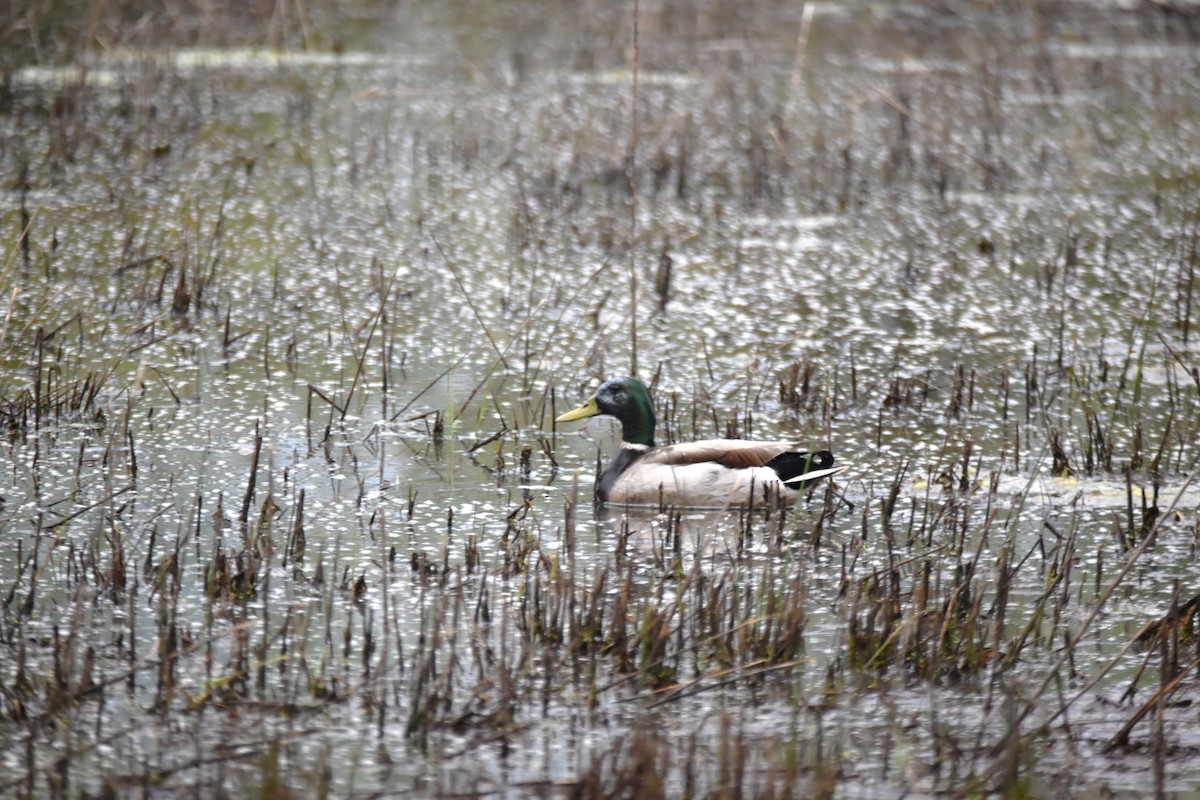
<point>588,409</point>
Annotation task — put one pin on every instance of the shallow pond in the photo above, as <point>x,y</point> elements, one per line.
<point>291,302</point>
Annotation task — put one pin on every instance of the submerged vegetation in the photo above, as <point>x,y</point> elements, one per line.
<point>291,299</point>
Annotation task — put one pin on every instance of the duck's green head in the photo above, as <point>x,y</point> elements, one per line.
<point>627,400</point>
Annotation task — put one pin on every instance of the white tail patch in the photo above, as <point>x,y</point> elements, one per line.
<point>818,473</point>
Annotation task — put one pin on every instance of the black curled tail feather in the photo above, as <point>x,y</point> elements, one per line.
<point>789,466</point>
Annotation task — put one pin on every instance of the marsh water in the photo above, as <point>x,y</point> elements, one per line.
<point>292,299</point>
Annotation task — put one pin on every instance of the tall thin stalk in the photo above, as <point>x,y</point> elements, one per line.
<point>631,168</point>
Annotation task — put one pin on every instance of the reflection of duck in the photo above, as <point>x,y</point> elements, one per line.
<point>658,534</point>
<point>714,473</point>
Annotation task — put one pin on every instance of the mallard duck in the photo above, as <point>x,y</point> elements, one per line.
<point>714,473</point>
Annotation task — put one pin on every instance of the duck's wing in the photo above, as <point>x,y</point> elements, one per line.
<point>732,453</point>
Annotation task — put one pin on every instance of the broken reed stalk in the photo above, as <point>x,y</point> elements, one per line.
<point>376,320</point>
<point>471,302</point>
<point>1052,674</point>
<point>1153,704</point>
<point>248,498</point>
<point>516,336</point>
